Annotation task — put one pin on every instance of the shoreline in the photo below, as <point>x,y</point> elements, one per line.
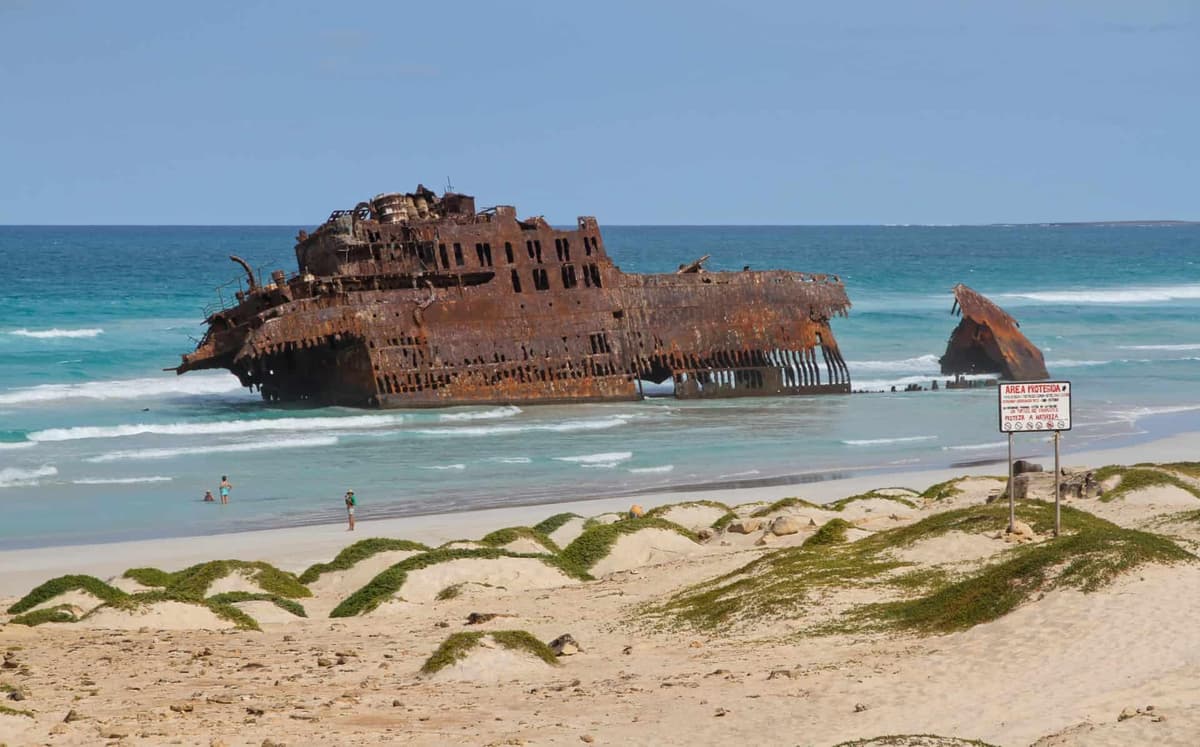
<point>295,548</point>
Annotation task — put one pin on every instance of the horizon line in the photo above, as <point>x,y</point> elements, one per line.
<point>993,224</point>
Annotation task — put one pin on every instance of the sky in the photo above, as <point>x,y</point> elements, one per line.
<point>696,112</point>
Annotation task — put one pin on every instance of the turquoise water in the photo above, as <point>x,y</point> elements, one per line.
<point>97,443</point>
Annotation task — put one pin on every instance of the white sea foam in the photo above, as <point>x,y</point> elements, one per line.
<point>493,414</point>
<point>7,445</point>
<point>49,334</point>
<point>1121,295</point>
<point>148,388</point>
<point>653,470</point>
<point>1185,346</point>
<point>1068,363</point>
<point>747,473</point>
<point>119,480</point>
<point>976,447</point>
<point>880,441</point>
<point>606,458</point>
<point>919,364</point>
<point>567,426</point>
<point>284,443</point>
<point>220,427</point>
<point>445,466</point>
<point>1141,412</point>
<point>511,460</point>
<point>13,477</point>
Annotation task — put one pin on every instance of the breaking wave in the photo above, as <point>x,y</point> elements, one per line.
<point>976,447</point>
<point>880,441</point>
<point>50,334</point>
<point>1141,412</point>
<point>652,470</point>
<point>1187,346</point>
<point>12,477</point>
<point>567,426</point>
<point>918,364</point>
<point>119,480</point>
<point>6,445</point>
<point>605,459</point>
<point>493,414</point>
<point>220,427</point>
<point>445,466</point>
<point>1122,295</point>
<point>286,443</point>
<point>511,460</point>
<point>123,389</point>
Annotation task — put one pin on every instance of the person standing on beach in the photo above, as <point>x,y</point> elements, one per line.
<point>350,504</point>
<point>225,487</point>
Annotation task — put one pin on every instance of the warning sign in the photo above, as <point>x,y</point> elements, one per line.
<point>1035,406</point>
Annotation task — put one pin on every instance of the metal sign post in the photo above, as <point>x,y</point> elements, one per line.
<point>1035,406</point>
<point>1057,488</point>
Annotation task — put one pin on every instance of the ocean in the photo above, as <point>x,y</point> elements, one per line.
<point>98,443</point>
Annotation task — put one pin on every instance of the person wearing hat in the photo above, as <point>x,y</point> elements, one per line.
<point>350,504</point>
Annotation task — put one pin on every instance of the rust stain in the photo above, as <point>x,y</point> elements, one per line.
<point>416,300</point>
<point>988,340</point>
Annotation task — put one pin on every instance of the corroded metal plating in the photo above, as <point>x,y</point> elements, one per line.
<point>416,300</point>
<point>988,340</point>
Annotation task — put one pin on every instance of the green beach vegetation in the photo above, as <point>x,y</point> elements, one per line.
<point>358,552</point>
<point>551,524</point>
<point>502,537</point>
<point>1090,554</point>
<point>597,540</point>
<point>386,584</point>
<point>459,645</point>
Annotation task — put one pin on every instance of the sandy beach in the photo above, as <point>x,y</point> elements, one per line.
<point>659,651</point>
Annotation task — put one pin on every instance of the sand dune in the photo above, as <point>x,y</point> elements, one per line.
<point>1060,668</point>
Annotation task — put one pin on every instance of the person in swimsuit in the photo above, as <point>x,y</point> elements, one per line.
<point>208,497</point>
<point>350,504</point>
<point>225,486</point>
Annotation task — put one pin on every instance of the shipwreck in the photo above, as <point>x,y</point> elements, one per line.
<point>989,340</point>
<point>420,300</point>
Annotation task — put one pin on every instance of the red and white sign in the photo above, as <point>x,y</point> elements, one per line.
<point>1033,406</point>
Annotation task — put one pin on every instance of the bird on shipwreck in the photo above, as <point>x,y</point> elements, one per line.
<point>988,340</point>
<point>420,300</point>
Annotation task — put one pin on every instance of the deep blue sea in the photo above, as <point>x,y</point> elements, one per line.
<point>98,443</point>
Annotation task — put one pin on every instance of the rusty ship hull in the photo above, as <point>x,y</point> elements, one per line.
<point>416,300</point>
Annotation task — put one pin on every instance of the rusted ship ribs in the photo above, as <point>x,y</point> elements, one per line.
<point>416,300</point>
<point>988,340</point>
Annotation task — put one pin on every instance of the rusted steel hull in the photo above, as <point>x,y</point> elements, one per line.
<point>419,301</point>
<point>988,340</point>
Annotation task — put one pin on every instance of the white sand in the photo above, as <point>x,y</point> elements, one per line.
<point>644,548</point>
<point>493,663</point>
<point>237,580</point>
<point>568,532</point>
<point>514,574</point>
<point>79,600</point>
<point>951,547</point>
<point>526,545</point>
<point>127,585</point>
<point>268,613</point>
<point>693,516</point>
<point>341,584</point>
<point>1161,495</point>
<point>159,616</point>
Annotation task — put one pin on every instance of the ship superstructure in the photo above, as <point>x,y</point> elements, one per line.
<point>420,300</point>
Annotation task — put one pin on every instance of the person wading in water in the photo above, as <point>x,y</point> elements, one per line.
<point>225,487</point>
